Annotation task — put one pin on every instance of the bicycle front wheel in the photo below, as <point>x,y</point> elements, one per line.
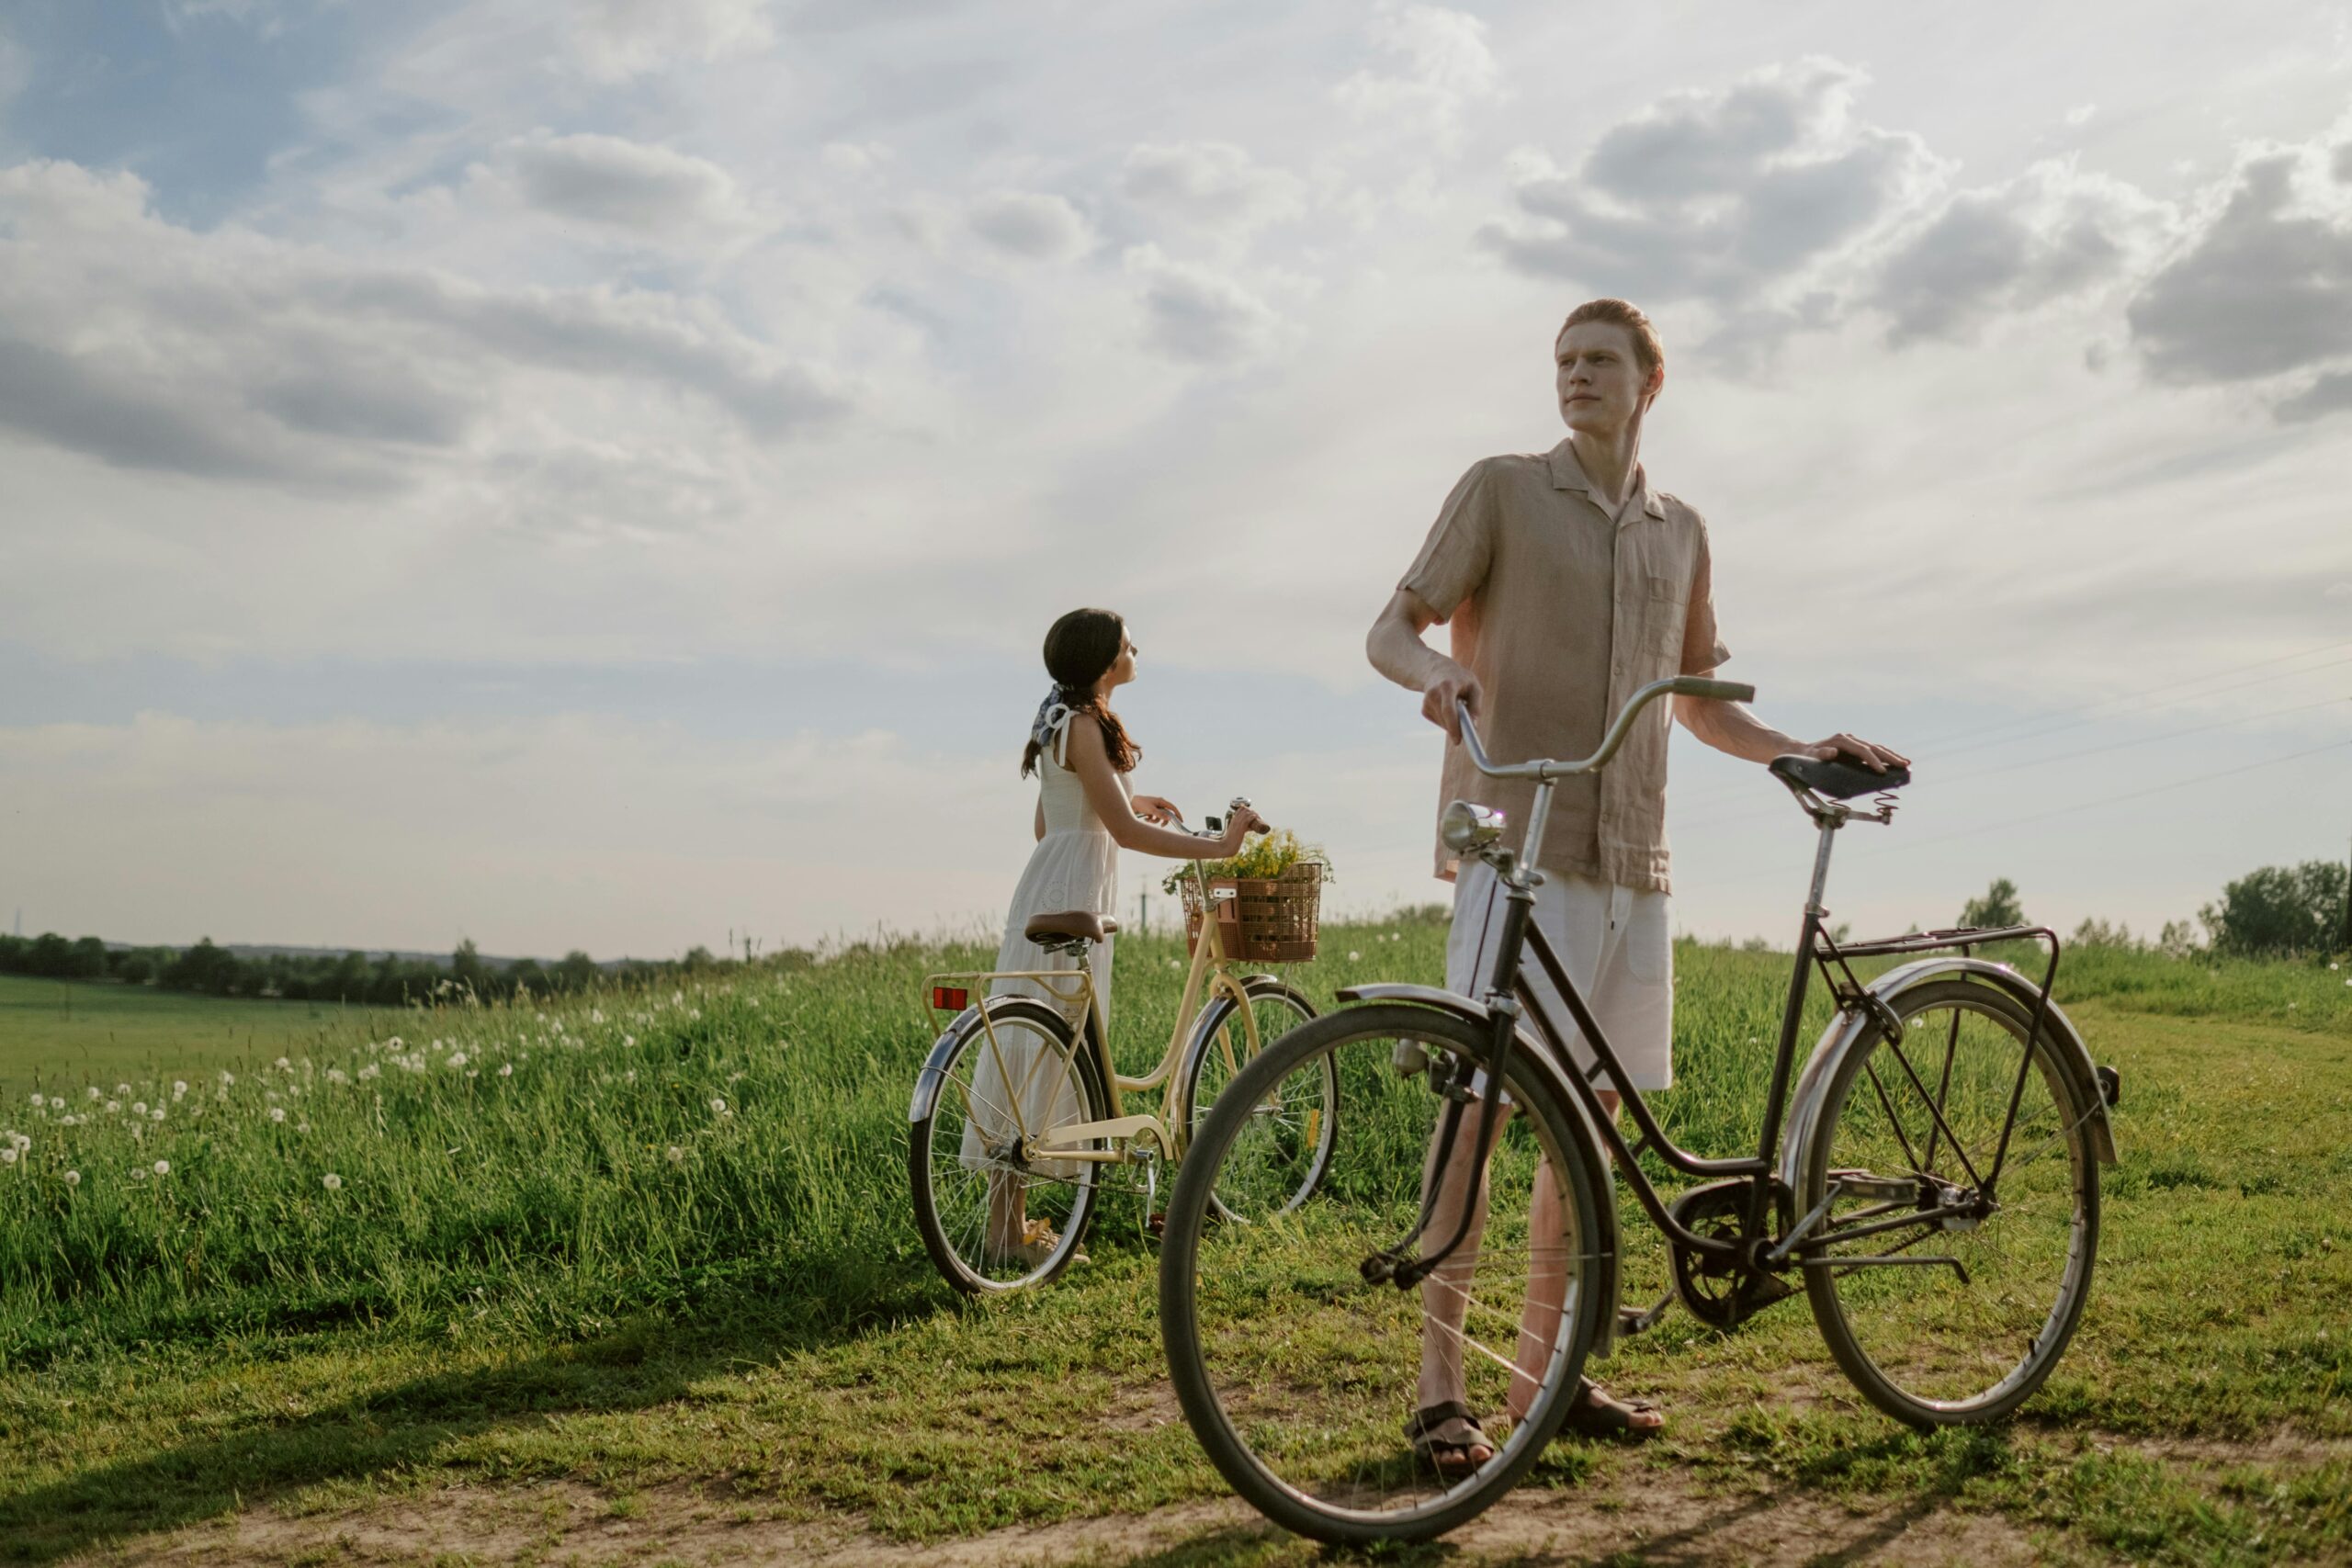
<point>997,1211</point>
<point>1955,1259</point>
<point>1280,1157</point>
<point>1300,1377</point>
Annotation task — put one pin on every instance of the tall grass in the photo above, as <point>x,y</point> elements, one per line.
<point>550,1169</point>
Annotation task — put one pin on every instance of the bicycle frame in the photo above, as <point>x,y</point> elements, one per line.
<point>1509,996</point>
<point>1211,976</point>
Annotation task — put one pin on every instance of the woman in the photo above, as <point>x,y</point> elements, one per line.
<point>1086,815</point>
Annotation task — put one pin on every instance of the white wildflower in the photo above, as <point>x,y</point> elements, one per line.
<point>156,1114</point>
<point>57,1102</point>
<point>139,1107</point>
<point>337,1076</point>
<point>278,1113</point>
<point>163,1168</point>
<point>122,1089</point>
<point>227,1078</point>
<point>9,1154</point>
<point>114,1108</point>
<point>331,1181</point>
<point>630,1076</point>
<point>138,1173</point>
<point>41,1100</point>
<point>372,1070</point>
<point>506,1070</point>
<point>717,1106</point>
<point>1353,956</point>
<point>393,1043</point>
<point>629,1039</point>
<point>596,1015</point>
<point>676,1155</point>
<point>457,1059</point>
<point>73,1179</point>
<point>301,1126</point>
<point>283,1065</point>
<point>95,1093</point>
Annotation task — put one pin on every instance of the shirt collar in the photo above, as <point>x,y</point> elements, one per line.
<point>1568,474</point>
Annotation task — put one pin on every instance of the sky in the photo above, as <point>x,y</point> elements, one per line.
<point>596,473</point>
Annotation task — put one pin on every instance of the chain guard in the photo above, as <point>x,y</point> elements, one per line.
<point>1722,1293</point>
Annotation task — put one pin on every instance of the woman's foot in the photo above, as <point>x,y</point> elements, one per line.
<point>1038,1242</point>
<point>1449,1437</point>
<point>1596,1414</point>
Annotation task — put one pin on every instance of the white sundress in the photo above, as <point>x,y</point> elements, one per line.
<point>1074,866</point>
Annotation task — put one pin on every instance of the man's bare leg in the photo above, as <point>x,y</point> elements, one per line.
<point>1008,1211</point>
<point>1445,1294</point>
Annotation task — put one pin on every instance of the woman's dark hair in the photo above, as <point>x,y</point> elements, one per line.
<point>1080,648</point>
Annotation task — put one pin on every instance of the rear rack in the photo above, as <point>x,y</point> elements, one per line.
<point>1853,996</point>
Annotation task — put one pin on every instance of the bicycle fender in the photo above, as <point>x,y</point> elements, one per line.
<point>934,1068</point>
<point>1849,1029</point>
<point>1539,1059</point>
<point>1252,985</point>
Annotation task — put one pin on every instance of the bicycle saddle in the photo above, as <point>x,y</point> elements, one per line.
<point>1840,780</point>
<point>1071,925</point>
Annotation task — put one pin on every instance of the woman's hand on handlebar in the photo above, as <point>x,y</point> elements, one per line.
<point>1157,810</point>
<point>1454,684</point>
<point>1239,826</point>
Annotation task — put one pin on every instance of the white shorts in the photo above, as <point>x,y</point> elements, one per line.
<point>1616,944</point>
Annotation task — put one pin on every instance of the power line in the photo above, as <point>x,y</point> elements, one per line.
<point>2071,755</point>
<point>1933,744</point>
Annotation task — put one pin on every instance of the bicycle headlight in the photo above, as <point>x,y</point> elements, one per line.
<point>1466,828</point>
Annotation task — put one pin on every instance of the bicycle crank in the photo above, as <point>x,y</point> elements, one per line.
<point>1724,1291</point>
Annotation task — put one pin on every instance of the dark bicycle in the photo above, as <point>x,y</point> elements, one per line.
<point>1931,1176</point>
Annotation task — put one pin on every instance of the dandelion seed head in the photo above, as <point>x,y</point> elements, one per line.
<point>139,1107</point>
<point>179,1089</point>
<point>156,1114</point>
<point>114,1108</point>
<point>506,1070</point>
<point>337,1076</point>
<point>278,1113</point>
<point>9,1154</point>
<point>228,1077</point>
<point>717,1106</point>
<point>122,1089</point>
<point>57,1102</point>
<point>1353,956</point>
<point>138,1173</point>
<point>39,1099</point>
<point>331,1181</point>
<point>457,1059</point>
<point>283,1065</point>
<point>675,1155</point>
<point>95,1093</point>
<point>73,1179</point>
<point>163,1168</point>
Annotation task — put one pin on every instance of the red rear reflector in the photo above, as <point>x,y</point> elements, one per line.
<point>949,998</point>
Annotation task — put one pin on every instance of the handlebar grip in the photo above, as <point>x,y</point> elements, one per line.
<point>1722,691</point>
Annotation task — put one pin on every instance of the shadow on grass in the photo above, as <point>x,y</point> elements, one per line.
<point>644,1364</point>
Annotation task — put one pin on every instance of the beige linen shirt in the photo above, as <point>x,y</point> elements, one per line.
<point>1563,614</point>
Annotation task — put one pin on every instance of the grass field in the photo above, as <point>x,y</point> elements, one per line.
<point>653,1250</point>
<point>66,1028</point>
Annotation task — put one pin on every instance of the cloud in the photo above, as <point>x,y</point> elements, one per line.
<point>1197,316</point>
<point>1037,225</point>
<point>1211,184</point>
<point>623,185</point>
<point>1441,65</point>
<point>229,355</point>
<point>2264,288</point>
<point>2332,393</point>
<point>2049,233</point>
<point>615,40</point>
<point>1736,196</point>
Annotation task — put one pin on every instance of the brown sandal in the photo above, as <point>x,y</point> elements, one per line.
<point>1449,1457</point>
<point>1597,1414</point>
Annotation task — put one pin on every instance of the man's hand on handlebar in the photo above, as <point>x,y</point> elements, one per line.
<point>1455,685</point>
<point>1877,759</point>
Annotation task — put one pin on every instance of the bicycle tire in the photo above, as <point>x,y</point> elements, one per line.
<point>1555,1130</point>
<point>954,1247</point>
<point>1891,1365</point>
<point>1209,1054</point>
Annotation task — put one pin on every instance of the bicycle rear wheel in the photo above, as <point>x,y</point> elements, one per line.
<point>1995,1259</point>
<point>1296,1374</point>
<point>996,1214</point>
<point>1279,1159</point>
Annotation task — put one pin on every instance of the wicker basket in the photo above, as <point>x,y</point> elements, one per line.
<point>1270,920</point>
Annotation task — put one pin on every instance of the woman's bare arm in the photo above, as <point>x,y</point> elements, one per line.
<point>1090,760</point>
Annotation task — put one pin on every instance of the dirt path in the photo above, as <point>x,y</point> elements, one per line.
<point>1645,1515</point>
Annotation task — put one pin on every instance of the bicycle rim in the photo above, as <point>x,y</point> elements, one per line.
<point>996,1214</point>
<point>1927,1342</point>
<point>1279,1158</point>
<point>1296,1374</point>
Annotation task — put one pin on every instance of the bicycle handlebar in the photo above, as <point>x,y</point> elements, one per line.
<point>1547,768</point>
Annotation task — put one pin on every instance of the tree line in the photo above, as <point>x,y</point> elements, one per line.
<point>2280,911</point>
<point>388,980</point>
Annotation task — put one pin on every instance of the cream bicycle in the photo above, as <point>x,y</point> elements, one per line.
<point>1019,1118</point>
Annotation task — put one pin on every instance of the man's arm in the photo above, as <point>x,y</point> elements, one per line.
<point>1729,726</point>
<point>1396,651</point>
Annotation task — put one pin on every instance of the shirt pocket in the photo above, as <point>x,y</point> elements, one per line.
<point>1663,602</point>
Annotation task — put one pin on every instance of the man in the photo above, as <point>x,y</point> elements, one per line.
<point>1568,584</point>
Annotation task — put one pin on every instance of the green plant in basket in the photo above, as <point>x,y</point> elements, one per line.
<point>1262,857</point>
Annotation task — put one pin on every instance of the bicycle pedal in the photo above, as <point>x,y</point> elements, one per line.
<point>1638,1320</point>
